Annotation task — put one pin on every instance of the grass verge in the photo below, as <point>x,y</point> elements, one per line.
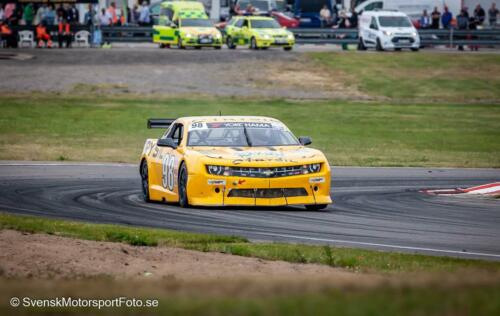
<point>353,259</point>
<point>425,76</point>
<point>89,128</point>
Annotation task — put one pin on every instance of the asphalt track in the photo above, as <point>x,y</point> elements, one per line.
<point>375,208</point>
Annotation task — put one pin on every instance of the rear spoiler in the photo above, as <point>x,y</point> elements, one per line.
<point>160,123</point>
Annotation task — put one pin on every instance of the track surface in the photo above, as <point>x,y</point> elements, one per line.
<point>377,208</point>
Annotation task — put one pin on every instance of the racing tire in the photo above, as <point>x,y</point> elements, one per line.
<point>288,48</point>
<point>253,44</point>
<point>316,207</point>
<point>145,181</point>
<point>361,44</point>
<point>230,43</point>
<point>379,47</point>
<point>162,45</point>
<point>397,49</point>
<point>179,44</point>
<point>197,47</point>
<point>183,178</point>
<point>414,49</point>
<point>218,47</point>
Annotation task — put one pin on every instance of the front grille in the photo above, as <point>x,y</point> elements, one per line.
<point>275,172</point>
<point>397,39</point>
<point>267,193</point>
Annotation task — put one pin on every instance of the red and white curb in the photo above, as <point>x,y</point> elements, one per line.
<point>490,189</point>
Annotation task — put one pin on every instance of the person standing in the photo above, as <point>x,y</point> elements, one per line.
<point>479,15</point>
<point>325,16</point>
<point>40,14</point>
<point>425,20</point>
<point>105,18</point>
<point>112,12</point>
<point>50,15</point>
<point>436,16</point>
<point>7,35</point>
<point>144,17</point>
<point>72,15</point>
<point>64,33</point>
<point>462,24</point>
<point>492,14</point>
<point>28,14</point>
<point>446,18</point>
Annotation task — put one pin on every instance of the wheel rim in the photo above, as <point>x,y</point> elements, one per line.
<point>145,180</point>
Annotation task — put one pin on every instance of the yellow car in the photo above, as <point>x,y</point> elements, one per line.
<point>257,32</point>
<point>185,24</point>
<point>233,161</point>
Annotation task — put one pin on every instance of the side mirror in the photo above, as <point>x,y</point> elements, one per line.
<point>305,140</point>
<point>166,142</point>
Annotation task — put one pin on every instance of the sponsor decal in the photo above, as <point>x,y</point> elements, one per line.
<point>216,182</point>
<point>239,125</point>
<point>317,180</point>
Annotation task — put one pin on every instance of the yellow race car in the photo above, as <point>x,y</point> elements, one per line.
<point>257,32</point>
<point>232,161</point>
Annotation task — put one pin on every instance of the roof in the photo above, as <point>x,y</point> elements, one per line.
<point>212,119</point>
<point>384,13</point>
<point>183,5</point>
<point>252,17</point>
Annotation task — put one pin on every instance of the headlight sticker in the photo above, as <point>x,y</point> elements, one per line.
<point>216,182</point>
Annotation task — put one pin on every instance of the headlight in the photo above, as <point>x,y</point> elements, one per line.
<point>312,168</point>
<point>189,35</point>
<point>266,36</point>
<point>414,34</point>
<point>216,170</point>
<point>290,36</point>
<point>387,33</point>
<point>217,35</point>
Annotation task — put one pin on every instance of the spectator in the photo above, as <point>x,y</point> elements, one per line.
<point>473,24</point>
<point>354,18</point>
<point>135,14</point>
<point>64,34</point>
<point>72,14</point>
<point>145,16</point>
<point>7,35</point>
<point>28,14</point>
<point>250,10</point>
<point>1,13</point>
<point>50,15</point>
<point>492,14</point>
<point>42,36</point>
<point>105,18</point>
<point>325,16</point>
<point>9,11</point>
<point>446,18</point>
<point>40,14</point>
<point>436,16</point>
<point>60,12</point>
<point>112,12</point>
<point>88,18</point>
<point>462,23</point>
<point>479,15</point>
<point>425,20</point>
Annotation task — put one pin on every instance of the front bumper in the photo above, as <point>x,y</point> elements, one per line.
<point>401,42</point>
<point>210,190</point>
<point>195,41</point>
<point>275,43</point>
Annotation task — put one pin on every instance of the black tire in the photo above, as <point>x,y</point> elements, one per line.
<point>397,49</point>
<point>162,45</point>
<point>229,42</point>
<point>414,49</point>
<point>145,181</point>
<point>288,48</point>
<point>379,46</point>
<point>361,44</point>
<point>316,207</point>
<point>253,43</point>
<point>218,47</point>
<point>179,43</point>
<point>183,178</point>
<point>197,47</point>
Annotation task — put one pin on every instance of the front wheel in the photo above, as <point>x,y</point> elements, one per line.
<point>414,49</point>
<point>145,181</point>
<point>253,43</point>
<point>361,44</point>
<point>316,207</point>
<point>379,46</point>
<point>183,179</point>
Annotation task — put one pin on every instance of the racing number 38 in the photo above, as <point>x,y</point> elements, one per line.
<point>168,177</point>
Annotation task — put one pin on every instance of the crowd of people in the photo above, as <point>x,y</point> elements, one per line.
<point>338,18</point>
<point>463,20</point>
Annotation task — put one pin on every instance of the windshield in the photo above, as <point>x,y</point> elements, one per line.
<point>241,135</point>
<point>260,5</point>
<point>196,23</point>
<point>394,21</point>
<point>265,24</point>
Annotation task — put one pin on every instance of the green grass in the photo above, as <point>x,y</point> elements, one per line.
<point>54,127</point>
<point>353,259</point>
<point>424,76</point>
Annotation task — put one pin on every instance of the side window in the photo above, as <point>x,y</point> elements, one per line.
<point>176,133</point>
<point>373,24</point>
<point>239,23</point>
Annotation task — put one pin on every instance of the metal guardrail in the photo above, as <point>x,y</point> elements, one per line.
<point>486,37</point>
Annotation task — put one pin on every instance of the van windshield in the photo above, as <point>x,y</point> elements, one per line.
<point>196,23</point>
<point>394,21</point>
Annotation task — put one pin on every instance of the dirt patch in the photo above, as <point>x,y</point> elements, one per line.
<point>47,256</point>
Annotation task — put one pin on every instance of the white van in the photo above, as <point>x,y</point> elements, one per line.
<point>387,30</point>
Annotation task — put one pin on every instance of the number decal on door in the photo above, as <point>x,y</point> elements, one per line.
<point>167,178</point>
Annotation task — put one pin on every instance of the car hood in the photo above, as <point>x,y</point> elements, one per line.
<point>260,156</point>
<point>200,30</point>
<point>272,32</point>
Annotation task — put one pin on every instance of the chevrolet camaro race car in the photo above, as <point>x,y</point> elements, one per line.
<point>257,32</point>
<point>233,161</point>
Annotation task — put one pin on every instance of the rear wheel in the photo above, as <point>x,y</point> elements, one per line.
<point>183,178</point>
<point>361,44</point>
<point>145,181</point>
<point>379,45</point>
<point>230,43</point>
<point>253,43</point>
<point>316,207</point>
<point>162,45</point>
